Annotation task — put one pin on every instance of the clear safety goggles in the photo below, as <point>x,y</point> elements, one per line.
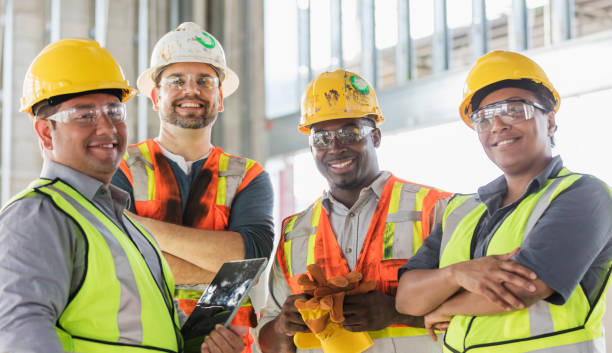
<point>178,83</point>
<point>510,112</point>
<point>323,139</point>
<point>89,115</point>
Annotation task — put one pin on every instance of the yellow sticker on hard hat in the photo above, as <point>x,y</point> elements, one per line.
<point>207,41</point>
<point>360,84</point>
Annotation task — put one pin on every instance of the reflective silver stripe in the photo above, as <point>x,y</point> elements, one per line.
<point>299,236</point>
<point>454,218</point>
<point>404,220</point>
<point>236,169</point>
<point>540,319</point>
<point>138,167</point>
<point>597,345</point>
<point>129,314</point>
<point>540,207</point>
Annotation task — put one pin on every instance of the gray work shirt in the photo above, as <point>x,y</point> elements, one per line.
<point>571,244</point>
<point>42,260</point>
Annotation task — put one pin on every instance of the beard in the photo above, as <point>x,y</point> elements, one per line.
<point>192,120</point>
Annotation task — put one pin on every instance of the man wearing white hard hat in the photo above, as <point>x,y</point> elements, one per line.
<point>204,206</point>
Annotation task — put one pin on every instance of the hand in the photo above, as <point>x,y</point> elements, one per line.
<point>225,340</point>
<point>486,276</point>
<point>289,321</point>
<point>436,320</point>
<point>203,320</point>
<point>371,311</point>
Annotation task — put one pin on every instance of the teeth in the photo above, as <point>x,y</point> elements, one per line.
<point>505,142</point>
<point>340,165</point>
<point>106,145</point>
<point>189,105</point>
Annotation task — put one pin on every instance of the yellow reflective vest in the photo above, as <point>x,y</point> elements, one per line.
<point>118,306</point>
<point>543,327</point>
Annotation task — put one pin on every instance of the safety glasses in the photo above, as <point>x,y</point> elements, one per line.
<point>347,135</point>
<point>510,112</point>
<point>88,115</point>
<point>179,82</point>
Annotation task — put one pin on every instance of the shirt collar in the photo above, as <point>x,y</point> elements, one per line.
<point>377,187</point>
<point>492,193</point>
<point>83,183</point>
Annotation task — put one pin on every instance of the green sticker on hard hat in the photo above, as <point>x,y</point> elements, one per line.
<point>207,41</point>
<point>360,84</point>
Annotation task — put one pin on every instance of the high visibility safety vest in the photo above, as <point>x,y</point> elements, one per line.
<point>156,195</point>
<point>543,327</point>
<point>118,306</point>
<point>396,231</point>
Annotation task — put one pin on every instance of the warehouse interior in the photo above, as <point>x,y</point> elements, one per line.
<point>415,53</point>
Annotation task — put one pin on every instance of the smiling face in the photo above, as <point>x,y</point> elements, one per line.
<point>190,105</point>
<point>94,150</point>
<point>350,167</point>
<point>522,148</point>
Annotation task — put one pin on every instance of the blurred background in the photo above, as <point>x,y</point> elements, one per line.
<point>416,54</point>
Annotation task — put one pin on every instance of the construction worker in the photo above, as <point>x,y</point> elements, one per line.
<point>70,277</point>
<point>369,221</point>
<point>204,206</point>
<point>523,264</point>
<point>76,273</point>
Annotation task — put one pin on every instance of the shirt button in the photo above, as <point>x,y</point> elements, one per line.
<point>351,214</point>
<point>348,250</point>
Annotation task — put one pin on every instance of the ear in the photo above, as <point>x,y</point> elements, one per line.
<point>155,98</point>
<point>376,137</point>
<point>551,126</point>
<point>220,100</point>
<point>44,129</point>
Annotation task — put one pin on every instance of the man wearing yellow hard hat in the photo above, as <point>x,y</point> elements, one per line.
<point>523,264</point>
<point>77,274</point>
<point>204,206</point>
<point>364,227</point>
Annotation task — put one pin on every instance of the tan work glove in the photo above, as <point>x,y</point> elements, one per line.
<point>323,312</point>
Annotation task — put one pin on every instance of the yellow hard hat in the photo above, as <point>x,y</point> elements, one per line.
<point>498,66</point>
<point>72,66</point>
<point>338,95</point>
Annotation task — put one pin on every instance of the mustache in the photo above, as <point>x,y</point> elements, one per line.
<point>191,98</point>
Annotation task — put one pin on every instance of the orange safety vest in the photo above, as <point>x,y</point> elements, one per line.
<point>156,195</point>
<point>397,229</point>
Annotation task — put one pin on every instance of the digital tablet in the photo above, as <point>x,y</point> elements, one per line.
<point>225,294</point>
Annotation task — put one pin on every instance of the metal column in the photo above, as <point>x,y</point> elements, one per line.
<point>479,29</point>
<point>404,51</point>
<point>369,54</point>
<point>562,20</point>
<point>56,21</point>
<point>7,100</point>
<point>441,38</point>
<point>101,21</point>
<point>143,56</point>
<point>303,32</point>
<point>174,14</point>
<point>519,31</point>
<point>336,33</point>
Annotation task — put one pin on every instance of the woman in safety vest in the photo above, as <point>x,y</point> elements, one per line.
<point>522,265</point>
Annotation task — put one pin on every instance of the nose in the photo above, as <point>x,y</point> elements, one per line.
<point>336,146</point>
<point>191,86</point>
<point>497,124</point>
<point>105,125</point>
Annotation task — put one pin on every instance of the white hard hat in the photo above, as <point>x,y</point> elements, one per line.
<point>188,43</point>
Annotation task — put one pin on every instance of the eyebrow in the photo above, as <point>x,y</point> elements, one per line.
<point>181,74</point>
